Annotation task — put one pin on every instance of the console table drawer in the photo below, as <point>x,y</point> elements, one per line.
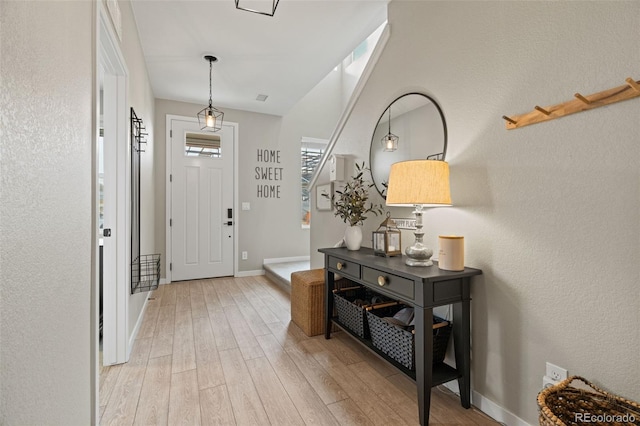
<point>389,282</point>
<point>345,267</point>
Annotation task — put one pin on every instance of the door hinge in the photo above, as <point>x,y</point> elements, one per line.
<point>170,133</point>
<point>170,222</point>
<point>171,266</point>
<point>170,178</point>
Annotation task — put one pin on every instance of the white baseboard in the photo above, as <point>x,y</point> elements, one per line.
<point>489,407</point>
<point>164,281</point>
<point>241,274</point>
<point>134,334</point>
<point>495,411</point>
<point>286,259</point>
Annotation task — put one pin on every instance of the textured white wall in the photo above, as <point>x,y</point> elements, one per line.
<point>45,212</point>
<point>550,212</point>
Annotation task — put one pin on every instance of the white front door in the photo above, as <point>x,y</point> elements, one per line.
<point>202,188</point>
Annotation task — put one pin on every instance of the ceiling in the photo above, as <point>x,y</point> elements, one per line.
<point>283,56</point>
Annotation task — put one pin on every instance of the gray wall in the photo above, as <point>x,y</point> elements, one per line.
<point>45,210</point>
<point>550,212</point>
<point>272,228</point>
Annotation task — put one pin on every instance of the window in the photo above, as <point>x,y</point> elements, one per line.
<point>202,145</point>
<point>310,153</point>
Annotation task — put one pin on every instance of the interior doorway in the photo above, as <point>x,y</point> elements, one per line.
<point>111,177</point>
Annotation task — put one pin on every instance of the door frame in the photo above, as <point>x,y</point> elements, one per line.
<point>115,343</point>
<point>168,193</point>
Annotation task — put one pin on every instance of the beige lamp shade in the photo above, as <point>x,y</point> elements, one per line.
<point>419,182</point>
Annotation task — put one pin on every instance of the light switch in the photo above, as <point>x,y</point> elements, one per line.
<point>246,206</point>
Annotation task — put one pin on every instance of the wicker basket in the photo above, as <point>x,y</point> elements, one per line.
<point>576,401</point>
<point>399,343</point>
<point>349,314</point>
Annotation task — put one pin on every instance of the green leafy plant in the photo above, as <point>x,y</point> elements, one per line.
<point>350,203</point>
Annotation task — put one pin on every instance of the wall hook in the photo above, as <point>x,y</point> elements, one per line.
<point>509,120</point>
<point>542,110</point>
<point>580,103</point>
<point>635,86</point>
<point>582,98</point>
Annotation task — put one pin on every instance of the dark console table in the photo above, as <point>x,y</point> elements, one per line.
<point>423,288</point>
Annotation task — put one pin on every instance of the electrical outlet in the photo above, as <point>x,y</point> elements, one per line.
<point>547,381</point>
<point>245,255</point>
<point>556,373</point>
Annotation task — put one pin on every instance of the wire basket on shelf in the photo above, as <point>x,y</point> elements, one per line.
<point>145,273</point>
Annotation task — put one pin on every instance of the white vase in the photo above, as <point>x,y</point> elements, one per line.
<point>353,237</point>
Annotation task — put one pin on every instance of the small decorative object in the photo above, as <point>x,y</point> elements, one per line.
<point>419,183</point>
<point>323,192</point>
<point>577,401</point>
<point>350,205</point>
<point>451,254</point>
<point>336,168</point>
<point>353,237</point>
<point>386,239</point>
<point>405,223</point>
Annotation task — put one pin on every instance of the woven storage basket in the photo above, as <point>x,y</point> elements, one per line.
<point>349,314</point>
<point>399,343</point>
<point>575,401</point>
<point>307,300</point>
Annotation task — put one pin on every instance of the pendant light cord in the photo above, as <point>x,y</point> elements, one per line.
<point>210,71</point>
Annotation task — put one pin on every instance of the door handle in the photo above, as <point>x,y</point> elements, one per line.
<point>229,223</point>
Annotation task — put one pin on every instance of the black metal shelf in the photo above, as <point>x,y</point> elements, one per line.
<point>145,268</point>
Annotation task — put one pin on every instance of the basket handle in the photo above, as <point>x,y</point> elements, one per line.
<point>440,325</point>
<point>340,290</point>
<point>381,305</point>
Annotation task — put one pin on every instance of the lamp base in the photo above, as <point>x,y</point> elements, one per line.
<point>414,262</point>
<point>418,255</point>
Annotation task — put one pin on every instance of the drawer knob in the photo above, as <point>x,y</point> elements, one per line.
<point>382,281</point>
<point>339,266</point>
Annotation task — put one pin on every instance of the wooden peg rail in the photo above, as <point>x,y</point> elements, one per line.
<point>581,103</point>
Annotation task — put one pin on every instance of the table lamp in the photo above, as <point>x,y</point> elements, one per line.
<point>419,184</point>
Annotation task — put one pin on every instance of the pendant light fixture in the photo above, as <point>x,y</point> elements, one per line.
<point>210,118</point>
<point>389,141</point>
<point>266,7</point>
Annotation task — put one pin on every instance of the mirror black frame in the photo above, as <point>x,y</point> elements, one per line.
<point>437,156</point>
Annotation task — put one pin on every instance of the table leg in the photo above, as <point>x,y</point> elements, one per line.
<point>423,318</point>
<point>462,346</point>
<point>328,301</point>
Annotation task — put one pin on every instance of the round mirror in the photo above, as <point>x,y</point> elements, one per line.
<point>411,128</point>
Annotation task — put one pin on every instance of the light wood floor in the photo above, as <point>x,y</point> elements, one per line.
<point>223,351</point>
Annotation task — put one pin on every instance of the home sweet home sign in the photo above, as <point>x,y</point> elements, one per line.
<point>268,173</point>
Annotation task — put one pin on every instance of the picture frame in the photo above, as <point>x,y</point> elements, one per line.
<point>323,203</point>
